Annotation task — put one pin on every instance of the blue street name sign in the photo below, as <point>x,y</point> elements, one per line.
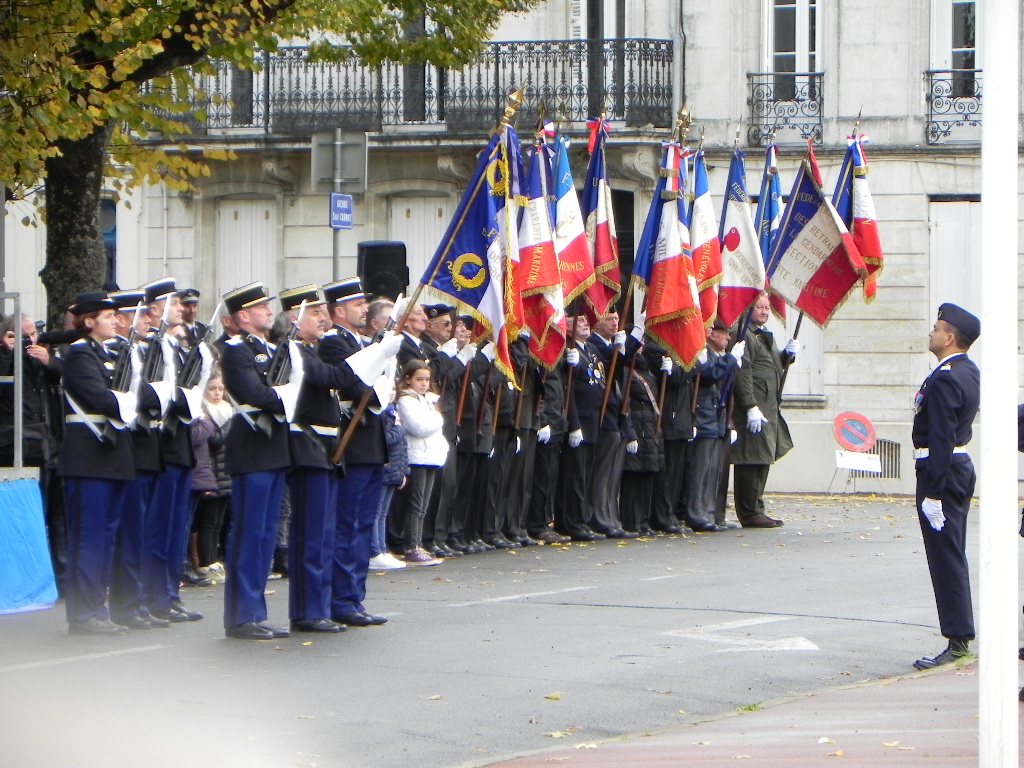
<point>342,214</point>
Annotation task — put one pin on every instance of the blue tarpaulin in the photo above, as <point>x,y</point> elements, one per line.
<point>26,574</point>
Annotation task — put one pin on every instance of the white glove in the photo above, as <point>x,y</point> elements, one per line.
<point>638,333</point>
<point>572,357</point>
<point>194,401</point>
<point>170,374</point>
<point>401,304</point>
<point>489,351</point>
<point>694,434</point>
<point>733,436</point>
<point>127,406</point>
<point>519,444</point>
<point>288,394</point>
<point>792,347</point>
<point>755,420</point>
<point>575,438</point>
<point>467,353</point>
<point>544,434</point>
<point>633,446</point>
<point>702,356</point>
<point>450,347</point>
<point>932,509</point>
<point>737,351</point>
<point>620,339</point>
<point>391,343</point>
<point>666,364</point>
<point>295,355</point>
<point>163,391</point>
<point>206,368</point>
<point>524,332</point>
<point>136,363</point>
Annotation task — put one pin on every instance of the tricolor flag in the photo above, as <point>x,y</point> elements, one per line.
<point>600,223</point>
<point>468,267</point>
<point>816,263</point>
<point>537,279</point>
<point>742,265</point>
<point>704,244</point>
<point>513,192</point>
<point>575,262</point>
<point>663,268</point>
<point>852,200</point>
<point>768,216</point>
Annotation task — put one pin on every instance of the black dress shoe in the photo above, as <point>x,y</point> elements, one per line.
<point>155,622</point>
<point>553,537</point>
<point>703,528</point>
<point>620,533</point>
<point>190,615</point>
<point>958,648</point>
<point>95,626</point>
<point>528,541</point>
<point>375,620</point>
<point>134,622</point>
<point>486,547</point>
<point>449,551</point>
<point>354,619</point>
<point>248,631</point>
<point>586,536</point>
<point>762,521</point>
<point>457,544</point>
<point>171,615</point>
<point>275,631</point>
<point>500,542</point>
<point>317,625</point>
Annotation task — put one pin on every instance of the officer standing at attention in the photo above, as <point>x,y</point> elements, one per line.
<point>944,410</point>
<point>257,457</point>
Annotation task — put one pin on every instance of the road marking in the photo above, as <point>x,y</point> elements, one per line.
<point>717,633</point>
<point>661,578</point>
<point>508,598</point>
<point>83,657</point>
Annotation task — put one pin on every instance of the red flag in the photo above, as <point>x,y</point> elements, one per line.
<point>816,262</point>
<point>707,253</point>
<point>742,264</point>
<point>600,222</point>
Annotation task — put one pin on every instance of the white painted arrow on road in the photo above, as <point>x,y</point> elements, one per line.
<point>718,633</point>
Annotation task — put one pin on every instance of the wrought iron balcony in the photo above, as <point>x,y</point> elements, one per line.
<point>954,106</point>
<point>787,105</point>
<point>629,79</point>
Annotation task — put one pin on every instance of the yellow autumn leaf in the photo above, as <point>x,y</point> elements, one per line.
<point>837,753</point>
<point>890,743</point>
<point>557,734</point>
<point>554,697</point>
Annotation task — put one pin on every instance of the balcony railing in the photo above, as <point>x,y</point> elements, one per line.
<point>787,105</point>
<point>954,106</point>
<point>629,79</point>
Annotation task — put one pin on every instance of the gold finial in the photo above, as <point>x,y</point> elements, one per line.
<point>856,123</point>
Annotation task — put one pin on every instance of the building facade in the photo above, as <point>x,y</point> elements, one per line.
<point>798,70</point>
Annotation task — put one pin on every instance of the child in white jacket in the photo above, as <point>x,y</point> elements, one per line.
<point>421,416</point>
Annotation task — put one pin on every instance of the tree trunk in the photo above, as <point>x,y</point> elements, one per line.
<point>75,253</point>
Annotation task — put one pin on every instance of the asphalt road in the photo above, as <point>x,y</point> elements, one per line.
<point>493,654</point>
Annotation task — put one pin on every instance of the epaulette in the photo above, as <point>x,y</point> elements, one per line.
<point>946,367</point>
<point>234,341</point>
<point>331,332</point>
<point>80,342</point>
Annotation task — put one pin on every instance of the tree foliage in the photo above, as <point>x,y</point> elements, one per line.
<point>68,67</point>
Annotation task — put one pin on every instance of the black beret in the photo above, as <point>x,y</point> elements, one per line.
<point>964,321</point>
<point>436,310</point>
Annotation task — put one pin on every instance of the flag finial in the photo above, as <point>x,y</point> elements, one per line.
<point>515,100</point>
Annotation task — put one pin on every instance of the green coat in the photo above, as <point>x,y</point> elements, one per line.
<point>759,383</point>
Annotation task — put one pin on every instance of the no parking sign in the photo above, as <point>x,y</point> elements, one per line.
<point>854,432</point>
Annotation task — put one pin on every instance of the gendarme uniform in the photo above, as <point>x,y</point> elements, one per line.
<point>96,464</point>
<point>257,457</point>
<point>945,408</point>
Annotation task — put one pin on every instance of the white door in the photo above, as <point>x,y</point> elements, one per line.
<point>954,259</point>
<point>247,244</point>
<point>420,223</point>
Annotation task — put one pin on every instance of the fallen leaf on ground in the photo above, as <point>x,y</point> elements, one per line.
<point>308,643</point>
<point>906,749</point>
<point>890,743</point>
<point>557,734</point>
<point>837,753</point>
<point>435,697</point>
<point>825,740</point>
<point>585,746</point>
<point>683,712</point>
<point>554,696</point>
<point>556,759</point>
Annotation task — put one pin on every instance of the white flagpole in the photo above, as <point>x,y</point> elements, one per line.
<point>999,601</point>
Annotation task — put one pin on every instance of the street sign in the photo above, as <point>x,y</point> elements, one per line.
<point>353,162</point>
<point>342,214</point>
<point>854,432</point>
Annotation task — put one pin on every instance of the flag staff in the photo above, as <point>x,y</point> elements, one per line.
<point>680,130</point>
<point>515,101</point>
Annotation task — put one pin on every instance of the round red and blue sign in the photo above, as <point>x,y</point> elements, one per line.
<point>854,432</point>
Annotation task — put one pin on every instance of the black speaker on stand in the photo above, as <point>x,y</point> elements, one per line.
<point>382,268</point>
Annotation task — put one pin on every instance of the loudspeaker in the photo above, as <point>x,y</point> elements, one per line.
<point>382,269</point>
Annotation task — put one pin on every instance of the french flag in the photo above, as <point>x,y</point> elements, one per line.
<point>706,249</point>
<point>508,229</point>
<point>536,278</point>
<point>816,262</point>
<point>742,264</point>
<point>600,223</point>
<point>575,264</point>
<point>852,200</point>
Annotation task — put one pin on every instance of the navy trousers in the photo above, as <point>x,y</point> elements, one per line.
<point>358,496</point>
<point>314,499</point>
<point>128,581</point>
<point>94,511</point>
<point>255,510</point>
<point>167,521</point>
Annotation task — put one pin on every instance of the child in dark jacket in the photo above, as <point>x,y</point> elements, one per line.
<point>395,476</point>
<point>211,485</point>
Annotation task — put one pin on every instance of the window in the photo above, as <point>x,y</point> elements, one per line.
<point>792,32</point>
<point>964,50</point>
